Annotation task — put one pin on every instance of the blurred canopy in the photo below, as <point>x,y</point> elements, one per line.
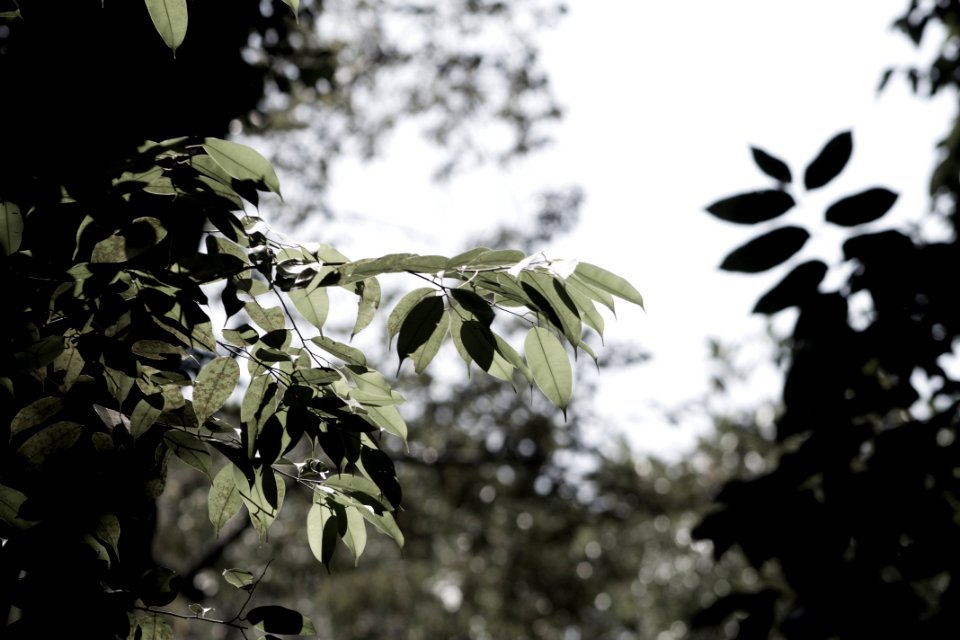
<point>855,528</point>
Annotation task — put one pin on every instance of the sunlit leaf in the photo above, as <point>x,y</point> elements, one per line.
<point>224,501</point>
<point>239,578</point>
<point>348,354</point>
<point>322,532</point>
<point>830,161</point>
<point>606,281</point>
<point>556,302</point>
<point>367,305</point>
<point>268,319</point>
<point>215,383</point>
<point>313,303</point>
<point>263,497</point>
<point>550,366</point>
<point>154,628</point>
<point>388,418</point>
<point>170,19</point>
<point>242,162</point>
<point>356,535</point>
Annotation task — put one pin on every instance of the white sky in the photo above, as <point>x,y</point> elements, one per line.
<point>662,101</point>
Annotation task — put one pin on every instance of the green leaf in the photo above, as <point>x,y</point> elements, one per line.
<point>153,628</point>
<point>587,310</point>
<point>356,535</point>
<point>267,319</point>
<point>224,501</point>
<point>242,162</point>
<point>772,166</point>
<point>156,349</point>
<point>170,19</point>
<point>313,302</point>
<point>348,354</point>
<point>753,207</point>
<point>322,532</point>
<point>11,228</point>
<point>385,522</point>
<point>295,5</point>
<point>389,419</point>
<point>425,353</point>
<point>766,251</point>
<point>275,619</point>
<point>611,283</point>
<point>145,414</point>
<point>215,383</point>
<point>369,292</point>
<point>40,353</point>
<point>475,304</point>
<point>263,498</point>
<point>239,578</point>
<point>830,161</point>
<point>560,308</point>
<point>550,366</point>
<point>861,208</point>
<point>190,449</point>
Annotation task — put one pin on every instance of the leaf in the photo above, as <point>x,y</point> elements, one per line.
<point>37,412</point>
<point>295,5</point>
<point>322,533</point>
<point>153,628</point>
<point>267,319</point>
<point>367,305</point>
<point>40,353</point>
<point>224,501</point>
<point>550,366</point>
<point>263,498</point>
<point>425,353</point>
<point>215,383</point>
<point>403,308</point>
<point>773,167</point>
<point>861,208</point>
<point>605,281</point>
<point>389,419</point>
<point>170,19</point>
<point>475,304</point>
<point>190,449</point>
<point>421,323</point>
<point>356,536</point>
<point>11,228</point>
<point>242,162</point>
<point>275,619</point>
<point>753,207</point>
<point>830,161</point>
<point>239,578</point>
<point>560,309</point>
<point>10,501</point>
<point>766,251</point>
<point>313,303</point>
<point>797,287</point>
<point>47,442</point>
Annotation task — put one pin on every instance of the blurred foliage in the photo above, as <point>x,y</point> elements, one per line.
<point>859,516</point>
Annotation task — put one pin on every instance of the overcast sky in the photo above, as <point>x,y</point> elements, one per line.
<point>662,101</point>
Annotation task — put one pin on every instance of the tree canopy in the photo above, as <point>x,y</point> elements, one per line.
<point>146,294</point>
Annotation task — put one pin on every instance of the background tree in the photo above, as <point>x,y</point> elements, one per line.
<point>854,527</point>
<point>112,240</point>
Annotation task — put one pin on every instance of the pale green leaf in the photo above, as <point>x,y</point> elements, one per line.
<point>263,498</point>
<point>609,282</point>
<point>242,162</point>
<point>170,19</point>
<point>369,292</point>
<point>385,522</point>
<point>224,501</point>
<point>215,382</point>
<point>268,319</point>
<point>348,354</point>
<point>581,286</point>
<point>588,311</point>
<point>295,5</point>
<point>322,532</point>
<point>388,418</point>
<point>144,415</point>
<point>356,535</point>
<point>11,228</point>
<point>239,578</point>
<point>550,366</point>
<point>313,303</point>
<point>554,302</point>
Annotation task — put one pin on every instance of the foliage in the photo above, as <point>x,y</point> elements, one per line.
<point>114,365</point>
<point>854,528</point>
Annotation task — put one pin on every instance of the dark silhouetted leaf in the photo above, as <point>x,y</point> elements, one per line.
<point>767,251</point>
<point>274,619</point>
<point>753,207</point>
<point>419,325</point>
<point>830,161</point>
<point>862,207</point>
<point>773,167</point>
<point>796,287</point>
<point>475,304</point>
